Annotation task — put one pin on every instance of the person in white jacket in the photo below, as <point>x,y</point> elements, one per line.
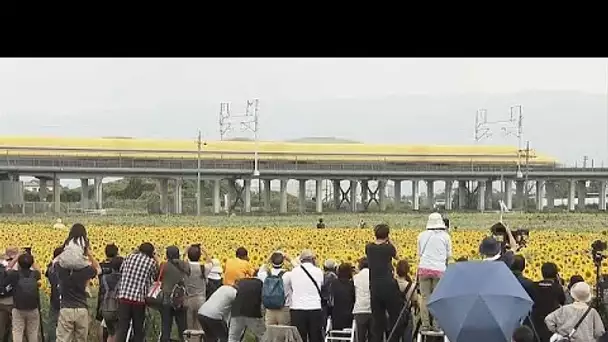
<point>434,251</point>
<point>363,308</point>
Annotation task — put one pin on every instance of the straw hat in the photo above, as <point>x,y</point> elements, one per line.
<point>435,221</point>
<point>581,292</point>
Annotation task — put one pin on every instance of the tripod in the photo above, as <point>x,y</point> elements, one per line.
<point>599,302</point>
<point>406,308</point>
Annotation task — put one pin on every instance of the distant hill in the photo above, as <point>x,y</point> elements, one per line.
<point>324,140</point>
<point>565,124</point>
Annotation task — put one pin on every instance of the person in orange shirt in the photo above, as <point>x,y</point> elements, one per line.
<point>238,268</point>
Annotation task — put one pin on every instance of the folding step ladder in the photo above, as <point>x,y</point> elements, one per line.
<point>427,336</point>
<point>345,335</point>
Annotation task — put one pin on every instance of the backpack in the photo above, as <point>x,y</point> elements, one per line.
<point>273,292</point>
<point>109,302</point>
<point>179,291</point>
<point>6,290</point>
<point>178,295</point>
<point>26,292</point>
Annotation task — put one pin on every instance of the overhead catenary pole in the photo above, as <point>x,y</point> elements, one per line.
<point>502,191</point>
<point>526,191</point>
<point>249,121</point>
<point>256,170</point>
<point>519,133</point>
<point>199,200</point>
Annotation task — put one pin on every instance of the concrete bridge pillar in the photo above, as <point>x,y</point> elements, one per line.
<point>353,195</point>
<point>448,194</point>
<point>98,192</point>
<point>397,193</point>
<point>519,194</point>
<point>602,200</point>
<point>509,194</point>
<point>364,193</point>
<point>550,194</point>
<point>430,194</point>
<point>84,193</point>
<point>382,195</point>
<point>302,196</point>
<point>540,194</point>
<point>481,193</point>
<point>489,194</point>
<point>42,190</point>
<point>247,194</point>
<point>416,194</point>
<point>267,195</point>
<point>283,197</point>
<point>337,193</point>
<point>56,195</point>
<point>217,201</point>
<point>179,194</point>
<point>582,194</point>
<point>571,194</point>
<point>462,194</point>
<point>227,202</point>
<point>319,196</point>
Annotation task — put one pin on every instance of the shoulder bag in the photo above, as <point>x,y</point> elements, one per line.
<point>323,303</point>
<point>154,298</point>
<point>559,338</point>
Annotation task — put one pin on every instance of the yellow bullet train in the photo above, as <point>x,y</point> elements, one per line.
<point>149,149</point>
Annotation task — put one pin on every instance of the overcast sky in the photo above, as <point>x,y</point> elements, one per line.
<point>153,97</point>
<point>63,85</point>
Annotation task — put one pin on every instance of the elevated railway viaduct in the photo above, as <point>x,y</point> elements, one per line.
<point>364,169</point>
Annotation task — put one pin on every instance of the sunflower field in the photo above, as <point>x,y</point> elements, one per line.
<point>563,238</point>
<point>570,250</point>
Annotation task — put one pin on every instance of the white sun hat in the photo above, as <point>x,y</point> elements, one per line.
<point>435,221</point>
<point>581,292</point>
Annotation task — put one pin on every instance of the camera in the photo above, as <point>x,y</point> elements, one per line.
<point>597,247</point>
<point>28,250</point>
<point>521,236</point>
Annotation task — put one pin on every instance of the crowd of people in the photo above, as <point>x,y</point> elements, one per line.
<point>192,291</point>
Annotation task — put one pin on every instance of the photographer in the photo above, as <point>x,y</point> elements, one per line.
<point>503,233</point>
<point>434,251</point>
<point>549,297</point>
<point>498,246</point>
<point>384,291</point>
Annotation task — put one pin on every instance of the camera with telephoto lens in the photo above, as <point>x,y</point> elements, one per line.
<point>521,236</point>
<point>597,249</point>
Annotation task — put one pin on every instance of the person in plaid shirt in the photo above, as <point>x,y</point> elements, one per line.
<point>138,271</point>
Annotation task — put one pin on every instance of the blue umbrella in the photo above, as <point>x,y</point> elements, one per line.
<point>479,301</point>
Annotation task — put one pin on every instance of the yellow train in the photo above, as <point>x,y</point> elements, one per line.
<point>13,146</point>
